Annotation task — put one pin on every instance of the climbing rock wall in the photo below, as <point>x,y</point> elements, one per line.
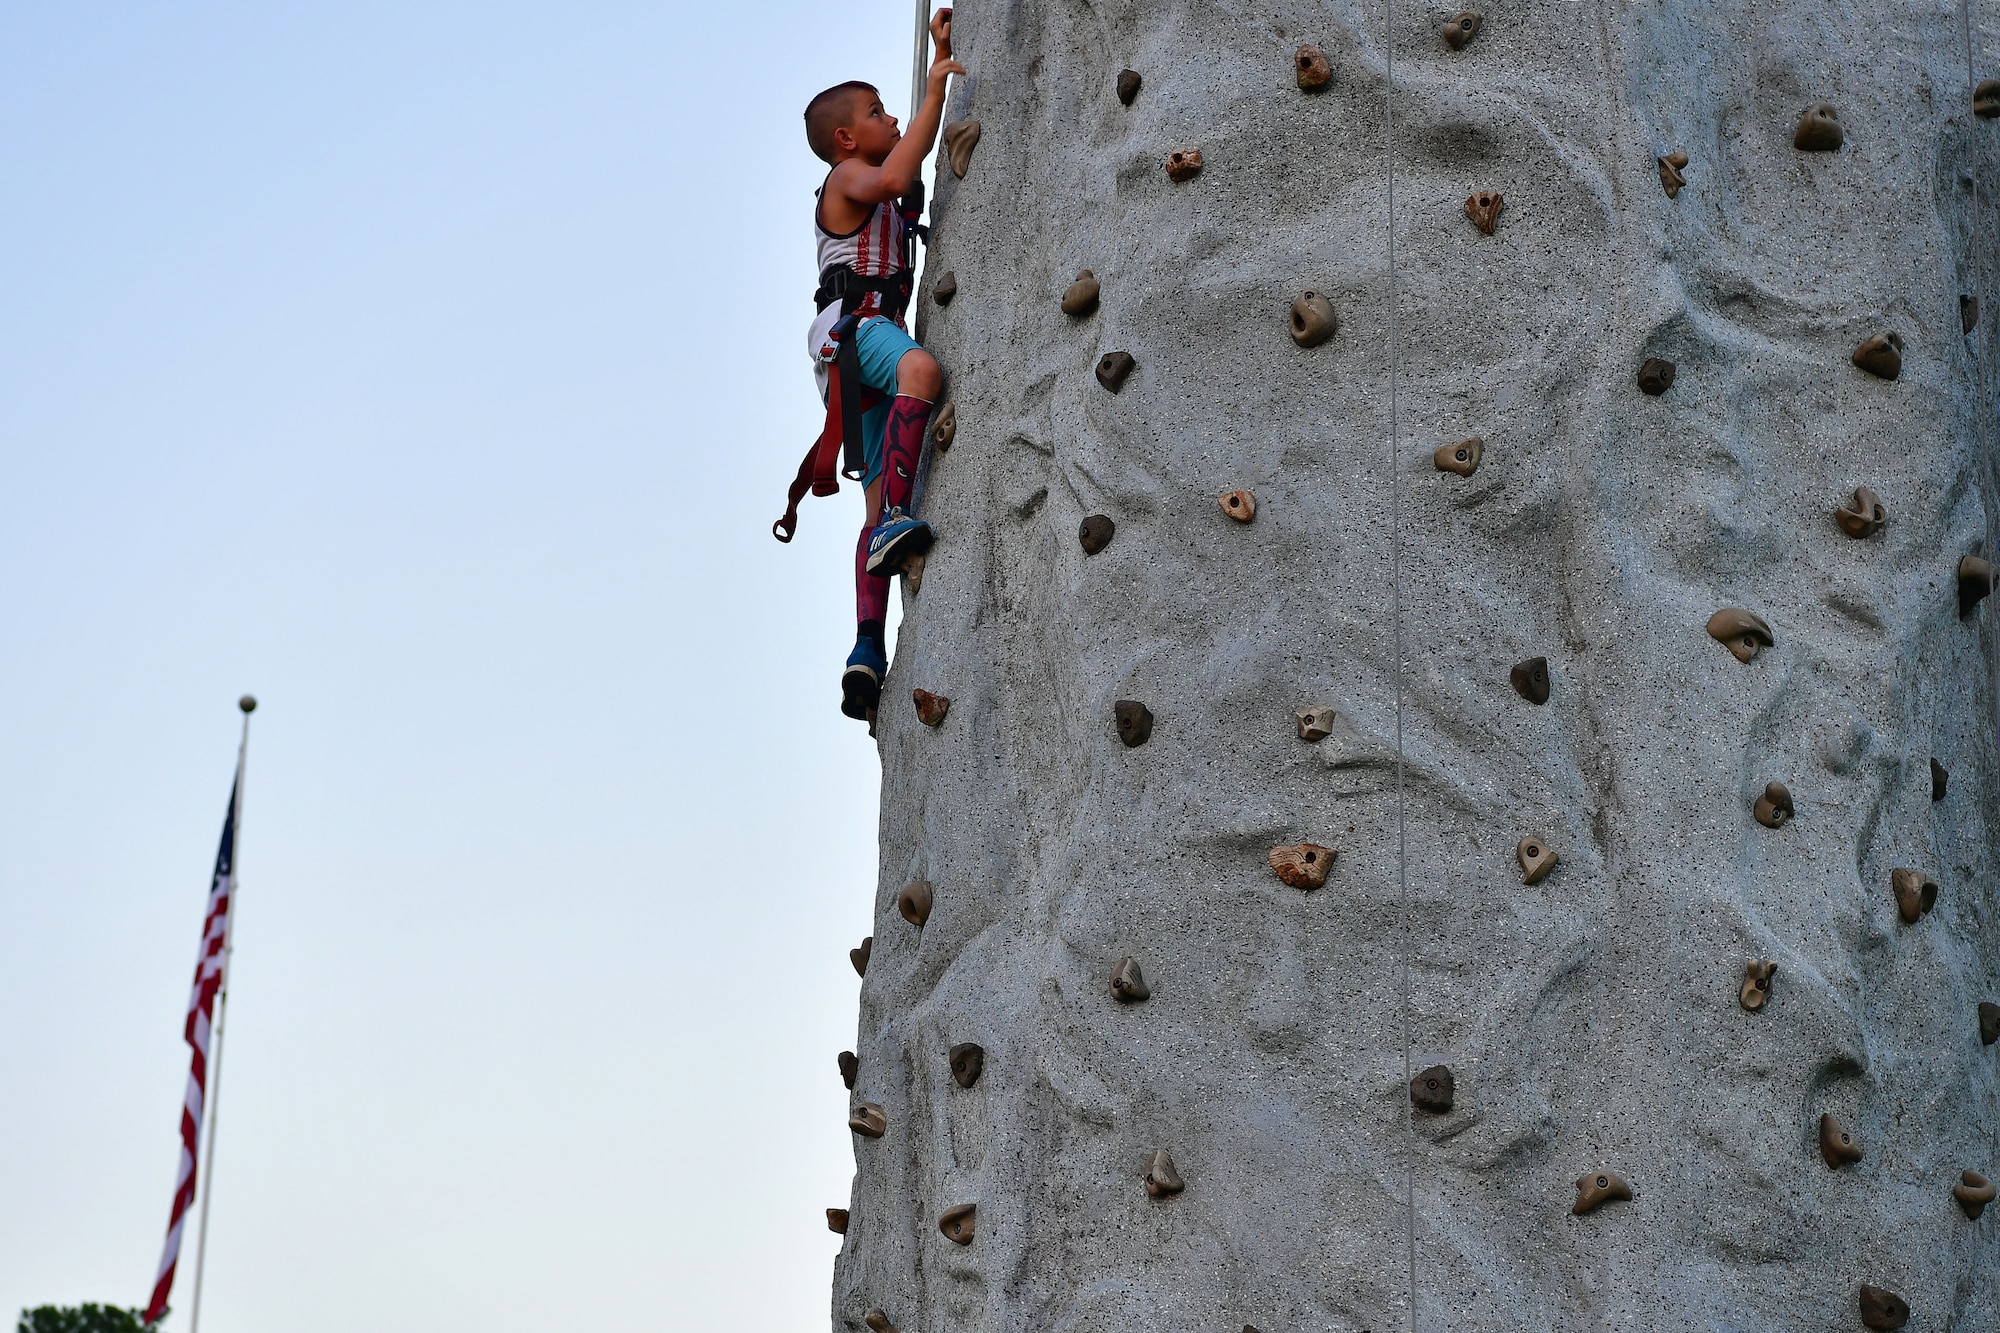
<point>1605,1018</point>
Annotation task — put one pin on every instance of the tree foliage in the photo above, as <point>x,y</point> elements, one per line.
<point>81,1319</point>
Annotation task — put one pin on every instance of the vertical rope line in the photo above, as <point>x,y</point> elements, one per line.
<point>1989,410</point>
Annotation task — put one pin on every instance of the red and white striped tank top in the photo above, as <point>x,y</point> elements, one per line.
<point>872,250</point>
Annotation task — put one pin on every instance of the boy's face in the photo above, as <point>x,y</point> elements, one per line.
<point>873,131</point>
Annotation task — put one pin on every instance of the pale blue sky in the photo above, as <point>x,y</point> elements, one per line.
<point>432,370</point>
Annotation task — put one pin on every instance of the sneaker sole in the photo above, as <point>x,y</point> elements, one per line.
<point>860,693</point>
<point>891,558</point>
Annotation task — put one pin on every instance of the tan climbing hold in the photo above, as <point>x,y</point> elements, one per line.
<point>968,1058</point>
<point>1315,723</point>
<point>1882,1308</point>
<point>1128,85</point>
<point>1756,983</point>
<point>1462,458</point>
<point>1112,368</point>
<point>1989,1022</point>
<point>836,1221</point>
<point>1239,505</point>
<point>1774,809</point>
<point>1975,581</point>
<point>959,141</point>
<point>1968,313</point>
<point>947,287</point>
<point>1096,533</point>
<point>1432,1090</point>
<point>1461,28</point>
<point>1598,1188</point>
<point>878,1321</point>
<point>1081,296</point>
<point>1303,865</point>
<point>1837,1147</point>
<point>1530,679</point>
<point>1313,319</point>
<point>1161,1178</point>
<point>913,574</point>
<point>1916,893</point>
<point>1671,179</point>
<point>931,708</point>
<point>1973,1192</point>
<point>1863,516</point>
<point>1483,207</point>
<point>1986,99</point>
<point>1819,130</point>
<point>1881,355</point>
<point>914,902</point>
<point>944,428</point>
<point>850,1067</point>
<point>1656,375</point>
<point>1537,859</point>
<point>1184,164</point>
<point>956,1223</point>
<point>1743,633</point>
<point>1315,72</point>
<point>1134,721</point>
<point>868,1120</point>
<point>859,957</point>
<point>1126,982</point>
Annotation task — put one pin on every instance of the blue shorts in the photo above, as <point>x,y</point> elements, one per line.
<point>881,344</point>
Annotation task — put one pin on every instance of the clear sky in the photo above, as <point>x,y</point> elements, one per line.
<point>433,371</point>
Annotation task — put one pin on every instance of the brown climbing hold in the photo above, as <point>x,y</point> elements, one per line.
<point>1081,296</point>
<point>967,1060</point>
<point>1774,808</point>
<point>1313,320</point>
<point>1975,580</point>
<point>947,287</point>
<point>959,141</point>
<point>944,429</point>
<point>878,1321</point>
<point>1315,723</point>
<point>931,708</point>
<point>1112,368</point>
<point>1973,1192</point>
<point>956,1223</point>
<point>868,1120</point>
<point>1939,779</point>
<point>1986,99</point>
<point>1743,633</point>
<point>1836,1145</point>
<point>1916,893</point>
<point>1461,28</point>
<point>1537,859</point>
<point>836,1221</point>
<point>1530,679</point>
<point>859,957</point>
<point>1656,375</point>
<point>1671,179</point>
<point>1989,1022</point>
<point>1315,72</point>
<point>1881,355</point>
<point>850,1066</point>
<point>1882,1308</point>
<point>1096,533</point>
<point>1599,1187</point>
<point>1239,505</point>
<point>1303,865</point>
<point>1184,164</point>
<point>1161,1178</point>
<point>1866,517</point>
<point>1756,983</point>
<point>913,574</point>
<point>1484,208</point>
<point>1127,984</point>
<point>1431,1090</point>
<point>1819,130</point>
<point>1968,313</point>
<point>1134,721</point>
<point>914,902</point>
<point>1128,85</point>
<point>1462,458</point>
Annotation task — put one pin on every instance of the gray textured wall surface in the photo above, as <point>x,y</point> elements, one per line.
<point>1591,1019</point>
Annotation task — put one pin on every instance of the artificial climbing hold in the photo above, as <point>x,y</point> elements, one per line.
<point>944,428</point>
<point>1671,179</point>
<point>1819,130</point>
<point>1161,1178</point>
<point>1756,983</point>
<point>1315,723</point>
<point>931,708</point>
<point>1975,580</point>
<point>1743,633</point>
<point>1462,458</point>
<point>959,141</point>
<point>878,1321</point>
<point>1134,721</point>
<point>859,957</point>
<point>836,1221</point>
<point>1968,313</point>
<point>1112,368</point>
<point>1484,208</point>
<point>850,1065</point>
<point>1989,1022</point>
<point>1431,1090</point>
<point>1881,355</point>
<point>1916,893</point>
<point>956,1223</point>
<point>914,902</point>
<point>1313,320</point>
<point>1986,99</point>
<point>947,287</point>
<point>1184,164</point>
<point>1314,70</point>
<point>1126,982</point>
<point>913,574</point>
<point>1939,778</point>
<point>1973,1192</point>
<point>1599,1187</point>
<point>1081,297</point>
<point>1656,375</point>
<point>1537,859</point>
<point>1836,1145</point>
<point>1774,808</point>
<point>1867,516</point>
<point>1239,505</point>
<point>1303,865</point>
<point>1530,679</point>
<point>1128,85</point>
<point>868,1120</point>
<point>1096,532</point>
<point>1461,28</point>
<point>1882,1308</point>
<point>967,1060</point>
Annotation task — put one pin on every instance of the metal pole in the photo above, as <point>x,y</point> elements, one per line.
<point>917,62</point>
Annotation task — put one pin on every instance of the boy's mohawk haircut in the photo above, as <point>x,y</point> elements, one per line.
<point>828,112</point>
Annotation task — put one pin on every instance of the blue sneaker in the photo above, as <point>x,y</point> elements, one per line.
<point>861,683</point>
<point>895,539</point>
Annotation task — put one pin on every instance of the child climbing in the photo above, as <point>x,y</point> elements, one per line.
<point>878,385</point>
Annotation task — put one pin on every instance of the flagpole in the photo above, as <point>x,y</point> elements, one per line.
<point>211,1103</point>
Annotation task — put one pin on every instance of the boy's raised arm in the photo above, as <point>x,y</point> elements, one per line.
<point>868,185</point>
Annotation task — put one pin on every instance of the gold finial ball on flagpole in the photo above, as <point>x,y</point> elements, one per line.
<point>248,703</point>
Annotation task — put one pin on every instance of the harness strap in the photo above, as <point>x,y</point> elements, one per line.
<point>847,402</point>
